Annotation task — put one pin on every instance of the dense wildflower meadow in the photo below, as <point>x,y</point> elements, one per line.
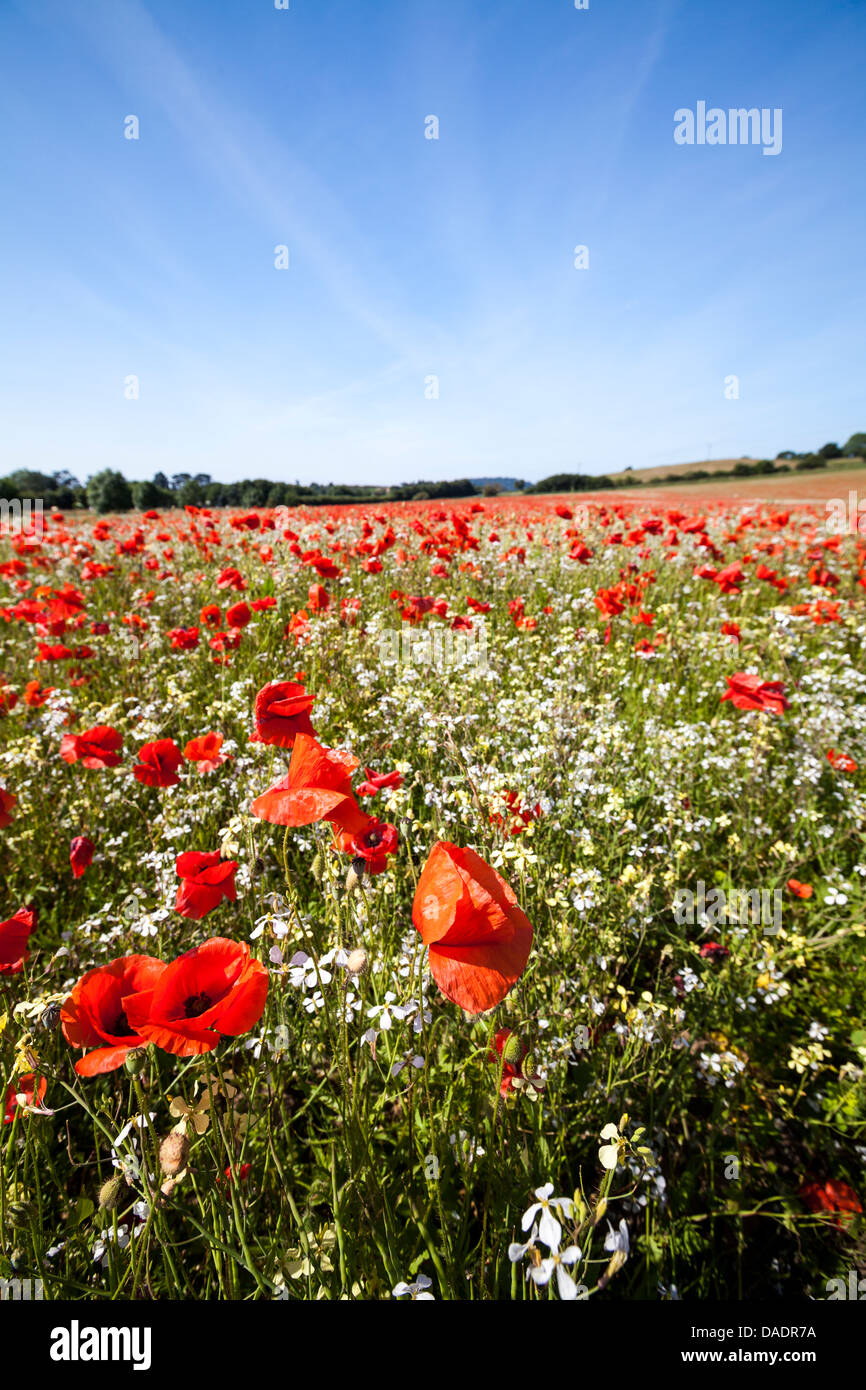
<point>441,901</point>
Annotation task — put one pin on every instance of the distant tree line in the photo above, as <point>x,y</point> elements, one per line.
<point>785,462</point>
<point>110,491</point>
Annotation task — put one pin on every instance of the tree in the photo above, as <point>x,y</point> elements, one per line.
<point>109,491</point>
<point>830,451</point>
<point>64,479</point>
<point>856,446</point>
<point>146,496</point>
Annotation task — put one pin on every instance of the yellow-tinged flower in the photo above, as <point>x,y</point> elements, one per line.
<point>196,1114</point>
<point>608,1154</point>
<point>26,1056</point>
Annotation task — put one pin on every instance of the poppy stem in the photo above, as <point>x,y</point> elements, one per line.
<point>491,1046</point>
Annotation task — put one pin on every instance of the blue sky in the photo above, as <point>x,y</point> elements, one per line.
<point>412,258</point>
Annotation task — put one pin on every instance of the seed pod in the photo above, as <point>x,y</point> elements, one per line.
<point>109,1193</point>
<point>353,877</point>
<point>135,1061</point>
<point>50,1017</point>
<point>173,1154</point>
<point>356,962</point>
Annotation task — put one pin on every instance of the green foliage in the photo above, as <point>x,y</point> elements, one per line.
<point>109,491</point>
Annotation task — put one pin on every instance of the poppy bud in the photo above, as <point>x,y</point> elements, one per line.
<point>17,1204</point>
<point>513,1049</point>
<point>353,877</point>
<point>109,1193</point>
<point>600,1210</point>
<point>356,962</point>
<point>173,1153</point>
<point>317,868</point>
<point>134,1061</point>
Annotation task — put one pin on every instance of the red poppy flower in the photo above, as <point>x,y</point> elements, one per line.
<point>30,1092</point>
<point>158,763</point>
<point>212,990</point>
<point>731,630</point>
<point>714,950</point>
<point>207,879</point>
<point>184,639</point>
<point>80,855</point>
<point>231,579</point>
<point>282,712</point>
<point>206,753</point>
<point>238,615</point>
<point>231,638</point>
<point>376,781</point>
<point>372,844</point>
<point>514,818</point>
<point>14,935</point>
<point>800,890</point>
<point>35,695</point>
<point>95,1012</point>
<point>831,1196</point>
<point>244,1170</point>
<point>750,692</point>
<point>211,615</point>
<point>730,578</point>
<point>7,801</point>
<point>97,747</point>
<point>479,937</point>
<point>318,787</point>
<point>841,761</point>
<point>318,600</point>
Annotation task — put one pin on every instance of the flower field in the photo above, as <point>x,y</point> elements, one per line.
<point>440,901</point>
